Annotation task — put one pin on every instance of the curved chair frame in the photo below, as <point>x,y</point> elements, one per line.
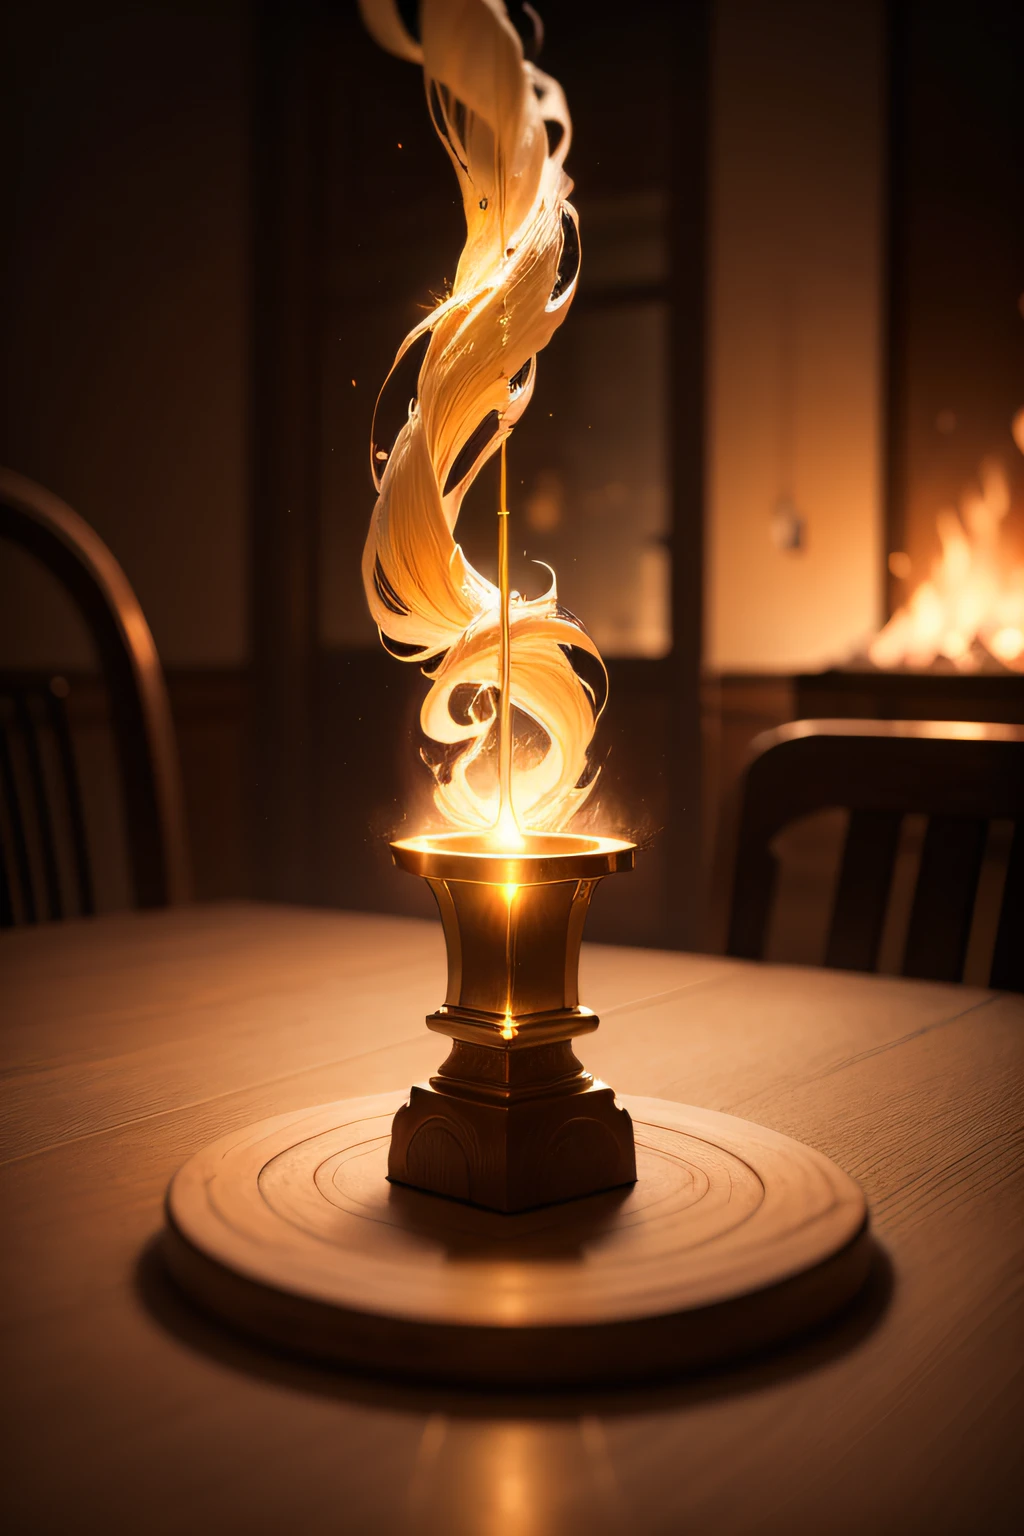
<point>47,528</point>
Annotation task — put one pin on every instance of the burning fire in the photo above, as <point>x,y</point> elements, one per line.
<point>515,280</point>
<point>973,601</point>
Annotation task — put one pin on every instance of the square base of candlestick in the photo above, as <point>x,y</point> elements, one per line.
<point>515,1155</point>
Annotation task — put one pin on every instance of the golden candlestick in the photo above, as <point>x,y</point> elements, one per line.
<point>511,1119</point>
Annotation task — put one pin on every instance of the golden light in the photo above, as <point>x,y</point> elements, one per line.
<point>503,652</point>
<point>972,603</point>
<point>1007,643</point>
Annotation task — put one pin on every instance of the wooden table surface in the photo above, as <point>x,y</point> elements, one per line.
<point>129,1042</point>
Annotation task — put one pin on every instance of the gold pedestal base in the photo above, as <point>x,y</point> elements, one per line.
<point>511,1120</point>
<point>510,1130</point>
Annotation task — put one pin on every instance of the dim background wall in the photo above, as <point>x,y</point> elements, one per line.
<point>214,231</point>
<point>210,230</point>
<point>125,289</point>
<point>797,315</point>
<point>124,294</point>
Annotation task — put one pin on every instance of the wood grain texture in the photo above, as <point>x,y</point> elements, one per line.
<point>131,1042</point>
<point>731,1238</point>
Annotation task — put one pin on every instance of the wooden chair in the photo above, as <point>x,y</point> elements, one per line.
<point>961,776</point>
<point>38,805</point>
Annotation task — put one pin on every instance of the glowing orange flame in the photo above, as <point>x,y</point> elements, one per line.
<point>515,280</point>
<point>973,600</point>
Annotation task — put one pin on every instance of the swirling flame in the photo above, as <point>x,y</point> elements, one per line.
<point>515,280</point>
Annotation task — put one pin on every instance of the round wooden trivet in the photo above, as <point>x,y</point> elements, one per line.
<point>732,1237</point>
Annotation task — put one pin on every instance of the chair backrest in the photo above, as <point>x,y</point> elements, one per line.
<point>140,716</point>
<point>41,810</point>
<point>960,775</point>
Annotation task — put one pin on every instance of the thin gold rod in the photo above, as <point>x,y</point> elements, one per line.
<point>506,810</point>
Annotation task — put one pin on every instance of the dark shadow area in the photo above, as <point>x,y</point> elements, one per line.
<point>167,1305</point>
<point>541,1235</point>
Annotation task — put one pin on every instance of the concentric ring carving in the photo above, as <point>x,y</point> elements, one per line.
<point>300,1208</point>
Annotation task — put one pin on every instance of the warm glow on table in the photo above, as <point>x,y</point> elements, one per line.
<point>129,1041</point>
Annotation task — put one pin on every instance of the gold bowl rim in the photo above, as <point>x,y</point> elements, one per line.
<point>546,857</point>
